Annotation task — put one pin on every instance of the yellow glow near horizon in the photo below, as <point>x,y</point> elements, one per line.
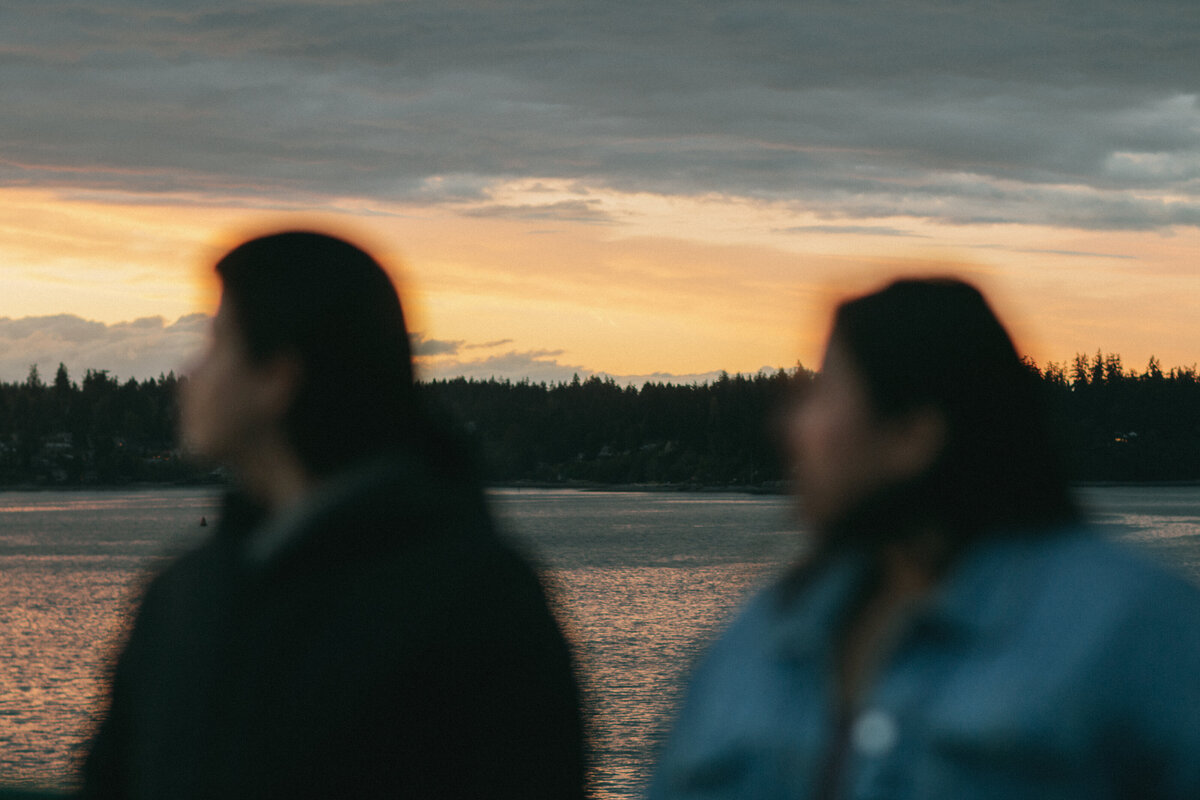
<point>102,261</point>
<point>632,283</point>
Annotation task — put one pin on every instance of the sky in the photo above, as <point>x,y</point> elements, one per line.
<point>647,191</point>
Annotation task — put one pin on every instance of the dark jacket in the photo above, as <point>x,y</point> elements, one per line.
<point>388,645</point>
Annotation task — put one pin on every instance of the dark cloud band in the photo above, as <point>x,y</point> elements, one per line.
<point>980,112</point>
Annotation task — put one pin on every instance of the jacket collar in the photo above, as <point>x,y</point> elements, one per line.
<point>283,531</point>
<point>981,595</point>
<point>806,620</point>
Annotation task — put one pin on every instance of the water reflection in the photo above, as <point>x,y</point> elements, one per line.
<point>637,630</point>
<point>70,565</point>
<point>641,580</point>
<point>1163,520</point>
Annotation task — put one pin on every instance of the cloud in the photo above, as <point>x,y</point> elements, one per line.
<point>1045,251</point>
<point>566,211</point>
<point>983,112</point>
<point>142,348</point>
<point>423,347</point>
<point>544,366</point>
<point>854,230</point>
<point>536,366</point>
<point>148,347</point>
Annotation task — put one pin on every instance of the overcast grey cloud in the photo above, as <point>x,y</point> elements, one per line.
<point>142,349</point>
<point>1081,114</point>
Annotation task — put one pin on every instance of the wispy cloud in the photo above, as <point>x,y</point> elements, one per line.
<point>566,211</point>
<point>424,347</point>
<point>1051,252</point>
<point>850,230</point>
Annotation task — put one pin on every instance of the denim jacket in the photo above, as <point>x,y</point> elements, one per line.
<point>1054,667</point>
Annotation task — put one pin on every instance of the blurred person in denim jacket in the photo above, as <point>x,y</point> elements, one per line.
<point>955,632</point>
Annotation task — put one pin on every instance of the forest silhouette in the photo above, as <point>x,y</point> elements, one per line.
<point>1115,424</point>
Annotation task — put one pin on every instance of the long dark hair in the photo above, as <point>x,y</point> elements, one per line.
<point>332,306</point>
<point>936,343</point>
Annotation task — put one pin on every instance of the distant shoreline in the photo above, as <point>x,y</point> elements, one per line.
<point>769,488</point>
<point>774,488</point>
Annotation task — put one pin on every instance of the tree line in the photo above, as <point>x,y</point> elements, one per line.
<point>98,431</point>
<point>1116,424</point>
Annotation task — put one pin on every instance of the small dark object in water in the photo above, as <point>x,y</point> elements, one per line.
<point>203,522</point>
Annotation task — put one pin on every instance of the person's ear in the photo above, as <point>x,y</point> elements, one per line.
<point>918,438</point>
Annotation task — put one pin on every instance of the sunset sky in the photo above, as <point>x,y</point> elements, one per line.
<point>647,190</point>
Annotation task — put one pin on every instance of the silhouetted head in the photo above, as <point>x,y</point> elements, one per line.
<point>327,308</point>
<point>925,416</point>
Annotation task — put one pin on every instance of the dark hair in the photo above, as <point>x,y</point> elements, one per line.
<point>936,343</point>
<point>330,305</point>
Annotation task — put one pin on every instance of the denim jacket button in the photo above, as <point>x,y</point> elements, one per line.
<point>874,732</point>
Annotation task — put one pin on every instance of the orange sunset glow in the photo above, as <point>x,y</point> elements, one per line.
<point>633,299</point>
<point>549,224</point>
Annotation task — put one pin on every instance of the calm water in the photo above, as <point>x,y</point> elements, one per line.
<point>641,580</point>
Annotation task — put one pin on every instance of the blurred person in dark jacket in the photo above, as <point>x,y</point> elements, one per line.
<point>354,627</point>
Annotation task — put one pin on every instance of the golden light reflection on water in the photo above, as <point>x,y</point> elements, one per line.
<point>71,566</point>
<point>59,623</point>
<point>642,582</point>
<point>637,630</point>
<point>83,504</point>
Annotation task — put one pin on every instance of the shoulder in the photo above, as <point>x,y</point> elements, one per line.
<point>1103,635</point>
<point>425,545</point>
<point>1101,618</point>
<point>387,510</point>
<point>1072,580</point>
<point>1078,568</point>
<point>207,569</point>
